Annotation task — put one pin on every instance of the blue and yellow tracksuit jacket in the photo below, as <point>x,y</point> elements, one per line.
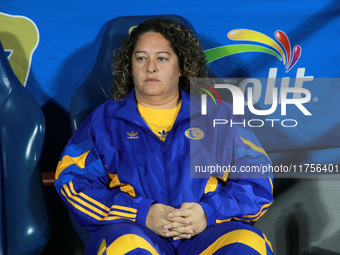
<point>114,167</point>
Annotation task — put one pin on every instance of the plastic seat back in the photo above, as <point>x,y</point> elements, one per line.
<point>23,215</point>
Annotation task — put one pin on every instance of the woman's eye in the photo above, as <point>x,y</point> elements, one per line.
<point>140,58</point>
<point>162,59</point>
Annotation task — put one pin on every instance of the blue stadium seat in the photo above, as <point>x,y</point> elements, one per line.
<point>24,223</point>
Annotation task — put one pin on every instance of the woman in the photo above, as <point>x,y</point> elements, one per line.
<point>125,173</point>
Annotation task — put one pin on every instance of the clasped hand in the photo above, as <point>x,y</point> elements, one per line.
<point>187,221</point>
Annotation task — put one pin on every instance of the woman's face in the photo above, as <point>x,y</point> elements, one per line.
<point>155,68</point>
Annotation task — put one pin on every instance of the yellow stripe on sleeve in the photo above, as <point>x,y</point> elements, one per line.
<point>67,161</point>
<point>80,201</point>
<point>221,221</point>
<point>243,236</point>
<point>68,197</point>
<point>271,184</point>
<point>87,205</point>
<point>129,209</point>
<point>260,212</point>
<point>81,208</point>
<point>259,215</point>
<point>254,147</point>
<point>225,176</point>
<point>127,188</point>
<point>211,185</point>
<point>104,207</point>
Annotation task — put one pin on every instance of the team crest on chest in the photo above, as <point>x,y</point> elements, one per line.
<point>194,133</point>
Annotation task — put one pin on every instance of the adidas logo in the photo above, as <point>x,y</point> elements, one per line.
<point>132,135</point>
<point>163,134</point>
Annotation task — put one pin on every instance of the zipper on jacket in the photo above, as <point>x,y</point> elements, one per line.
<point>165,165</point>
<point>166,171</point>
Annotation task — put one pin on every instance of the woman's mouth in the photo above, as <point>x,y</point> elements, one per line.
<point>151,80</point>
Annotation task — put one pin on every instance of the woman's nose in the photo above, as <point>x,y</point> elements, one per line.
<point>151,68</point>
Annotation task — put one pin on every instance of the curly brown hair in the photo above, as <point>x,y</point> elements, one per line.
<point>192,62</point>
